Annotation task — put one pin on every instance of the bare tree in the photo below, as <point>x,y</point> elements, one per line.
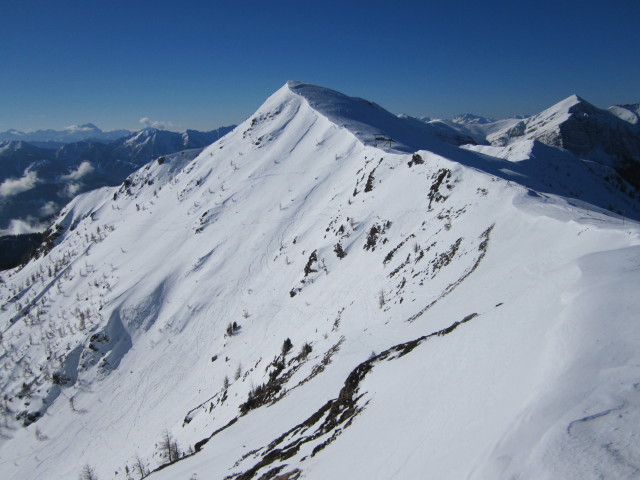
<point>169,447</point>
<point>140,467</point>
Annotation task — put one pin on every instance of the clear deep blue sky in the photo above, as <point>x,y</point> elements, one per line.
<point>202,64</point>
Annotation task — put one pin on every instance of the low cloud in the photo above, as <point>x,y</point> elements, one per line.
<point>14,186</point>
<point>18,226</point>
<point>78,128</point>
<point>70,190</point>
<point>147,122</point>
<point>48,209</point>
<point>83,169</point>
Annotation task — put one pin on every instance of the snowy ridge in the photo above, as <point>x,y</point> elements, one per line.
<point>445,316</point>
<point>362,118</point>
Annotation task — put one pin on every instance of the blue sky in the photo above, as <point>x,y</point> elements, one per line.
<point>202,64</point>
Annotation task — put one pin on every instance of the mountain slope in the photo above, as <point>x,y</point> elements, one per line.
<point>445,319</point>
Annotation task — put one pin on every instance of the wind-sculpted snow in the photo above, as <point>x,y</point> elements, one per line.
<point>365,119</point>
<point>246,304</point>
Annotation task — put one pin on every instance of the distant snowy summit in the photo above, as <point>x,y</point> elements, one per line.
<point>148,143</point>
<point>471,119</point>
<point>610,137</point>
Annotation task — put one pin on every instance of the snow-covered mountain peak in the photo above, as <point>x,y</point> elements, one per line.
<point>17,145</point>
<point>298,302</point>
<point>568,102</point>
<point>369,122</point>
<point>561,111</point>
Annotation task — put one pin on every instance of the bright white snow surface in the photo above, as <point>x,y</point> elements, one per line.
<point>540,379</point>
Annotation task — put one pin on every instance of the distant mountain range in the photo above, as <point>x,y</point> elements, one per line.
<point>73,133</point>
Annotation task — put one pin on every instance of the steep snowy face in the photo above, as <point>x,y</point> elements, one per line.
<point>299,301</point>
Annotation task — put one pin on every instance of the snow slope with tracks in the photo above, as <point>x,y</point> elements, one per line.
<point>461,321</point>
